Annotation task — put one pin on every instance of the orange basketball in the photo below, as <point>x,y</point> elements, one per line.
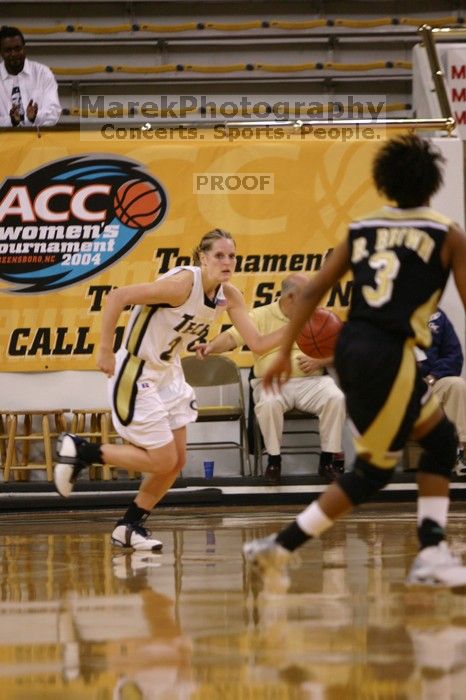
<point>137,203</point>
<point>319,334</point>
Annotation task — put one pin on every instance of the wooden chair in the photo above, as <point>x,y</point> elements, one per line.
<point>10,426</point>
<point>3,437</point>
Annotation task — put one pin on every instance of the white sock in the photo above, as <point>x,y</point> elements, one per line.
<point>313,520</point>
<point>433,507</point>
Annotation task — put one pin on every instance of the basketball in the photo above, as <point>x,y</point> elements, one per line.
<point>319,334</point>
<point>137,203</point>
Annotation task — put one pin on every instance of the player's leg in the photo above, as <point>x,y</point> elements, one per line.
<point>435,564</point>
<point>178,401</point>
<point>153,487</point>
<point>152,449</point>
<point>130,530</point>
<point>152,415</point>
<point>379,399</point>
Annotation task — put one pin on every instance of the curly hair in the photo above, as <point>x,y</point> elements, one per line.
<point>407,170</point>
<point>9,32</point>
<point>207,242</point>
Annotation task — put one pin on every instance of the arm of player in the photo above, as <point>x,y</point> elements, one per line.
<point>172,291</point>
<point>239,315</point>
<point>335,267</point>
<point>224,342</point>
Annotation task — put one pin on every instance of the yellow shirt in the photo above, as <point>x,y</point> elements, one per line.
<point>267,319</point>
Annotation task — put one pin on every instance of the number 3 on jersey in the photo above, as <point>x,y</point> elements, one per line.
<point>387,265</point>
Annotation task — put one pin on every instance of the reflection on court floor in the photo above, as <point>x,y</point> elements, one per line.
<point>81,619</point>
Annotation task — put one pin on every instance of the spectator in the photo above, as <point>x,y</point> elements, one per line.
<point>309,388</point>
<point>441,369</point>
<point>28,90</point>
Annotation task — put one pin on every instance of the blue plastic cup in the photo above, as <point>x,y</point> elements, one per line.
<point>208,469</point>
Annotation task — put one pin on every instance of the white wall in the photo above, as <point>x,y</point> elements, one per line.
<point>450,201</point>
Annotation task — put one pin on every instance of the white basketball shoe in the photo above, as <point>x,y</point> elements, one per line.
<point>135,536</point>
<point>69,464</point>
<point>437,566</point>
<point>270,560</point>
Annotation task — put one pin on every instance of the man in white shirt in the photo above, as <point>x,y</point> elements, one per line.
<point>28,90</point>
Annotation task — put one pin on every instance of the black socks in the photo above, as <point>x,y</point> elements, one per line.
<point>430,533</point>
<point>90,452</point>
<point>134,515</point>
<point>292,537</point>
<point>325,459</point>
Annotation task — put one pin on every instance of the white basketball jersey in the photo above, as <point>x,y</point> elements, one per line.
<point>158,333</point>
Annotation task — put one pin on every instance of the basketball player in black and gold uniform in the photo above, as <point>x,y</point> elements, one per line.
<point>400,258</point>
<point>151,402</point>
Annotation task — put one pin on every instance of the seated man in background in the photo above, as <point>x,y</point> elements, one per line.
<point>441,368</point>
<point>28,90</point>
<point>308,389</point>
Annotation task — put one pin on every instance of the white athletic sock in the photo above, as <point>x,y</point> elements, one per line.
<point>433,507</point>
<point>313,520</point>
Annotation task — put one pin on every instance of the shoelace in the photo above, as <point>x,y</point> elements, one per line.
<point>141,530</point>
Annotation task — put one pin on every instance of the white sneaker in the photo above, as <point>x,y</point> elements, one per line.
<point>127,565</point>
<point>266,553</point>
<point>437,566</point>
<point>135,536</point>
<point>69,465</point>
<point>270,559</point>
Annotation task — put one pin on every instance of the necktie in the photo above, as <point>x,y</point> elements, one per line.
<point>17,101</point>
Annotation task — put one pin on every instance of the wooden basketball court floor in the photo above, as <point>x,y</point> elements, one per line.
<point>81,619</point>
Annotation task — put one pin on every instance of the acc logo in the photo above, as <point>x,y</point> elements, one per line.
<point>70,219</point>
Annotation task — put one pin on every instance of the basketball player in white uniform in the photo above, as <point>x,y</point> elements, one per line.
<point>151,401</point>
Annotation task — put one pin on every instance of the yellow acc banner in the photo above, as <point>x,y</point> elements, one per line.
<point>80,215</point>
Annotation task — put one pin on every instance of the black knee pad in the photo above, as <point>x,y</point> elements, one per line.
<point>440,447</point>
<point>363,481</point>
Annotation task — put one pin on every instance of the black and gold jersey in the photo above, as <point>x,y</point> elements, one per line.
<point>397,269</point>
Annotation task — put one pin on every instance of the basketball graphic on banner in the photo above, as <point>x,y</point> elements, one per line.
<point>106,204</point>
<point>137,203</point>
<point>319,335</point>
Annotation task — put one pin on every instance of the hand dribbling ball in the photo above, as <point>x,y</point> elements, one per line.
<point>137,203</point>
<point>319,335</point>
